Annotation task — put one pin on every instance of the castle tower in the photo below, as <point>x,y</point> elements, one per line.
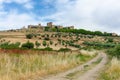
<point>39,25</point>
<point>50,24</point>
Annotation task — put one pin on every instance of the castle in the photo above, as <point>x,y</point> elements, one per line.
<point>39,28</point>
<point>50,25</point>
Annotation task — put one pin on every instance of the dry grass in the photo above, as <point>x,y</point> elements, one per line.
<point>23,67</point>
<point>113,71</point>
<point>89,53</point>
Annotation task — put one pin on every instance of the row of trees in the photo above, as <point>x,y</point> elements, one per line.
<point>100,45</point>
<point>46,38</point>
<point>69,43</point>
<point>28,45</point>
<point>7,45</point>
<point>82,31</point>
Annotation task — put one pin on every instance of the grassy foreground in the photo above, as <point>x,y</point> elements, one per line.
<point>113,71</point>
<point>24,67</point>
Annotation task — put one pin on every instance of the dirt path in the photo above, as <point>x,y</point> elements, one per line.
<point>93,73</point>
<point>79,72</point>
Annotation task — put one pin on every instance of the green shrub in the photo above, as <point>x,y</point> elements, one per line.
<point>29,36</point>
<point>74,45</point>
<point>51,42</point>
<point>100,45</point>
<point>37,44</point>
<point>44,43</point>
<point>8,45</point>
<point>47,28</point>
<point>110,40</point>
<point>47,38</point>
<point>48,49</point>
<point>115,51</point>
<point>63,43</point>
<point>28,45</point>
<point>64,50</point>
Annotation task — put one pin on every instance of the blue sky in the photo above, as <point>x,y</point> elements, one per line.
<point>101,15</point>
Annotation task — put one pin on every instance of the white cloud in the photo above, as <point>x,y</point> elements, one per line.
<point>90,14</point>
<point>13,20</point>
<point>26,3</point>
<point>17,1</point>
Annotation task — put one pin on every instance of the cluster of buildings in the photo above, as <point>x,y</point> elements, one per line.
<point>50,25</point>
<point>39,28</point>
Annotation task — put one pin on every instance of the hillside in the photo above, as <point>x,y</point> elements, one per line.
<point>61,38</point>
<point>33,53</point>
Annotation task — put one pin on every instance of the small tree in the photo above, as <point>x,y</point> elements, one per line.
<point>17,44</point>
<point>47,28</point>
<point>29,36</point>
<point>28,45</point>
<point>63,43</point>
<point>110,40</point>
<point>51,42</point>
<point>37,44</point>
<point>47,38</point>
<point>47,35</point>
<point>56,44</point>
<point>44,43</point>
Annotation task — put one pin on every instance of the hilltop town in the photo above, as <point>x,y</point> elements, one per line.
<point>40,28</point>
<point>50,25</point>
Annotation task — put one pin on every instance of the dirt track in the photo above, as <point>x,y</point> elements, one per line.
<point>75,74</point>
